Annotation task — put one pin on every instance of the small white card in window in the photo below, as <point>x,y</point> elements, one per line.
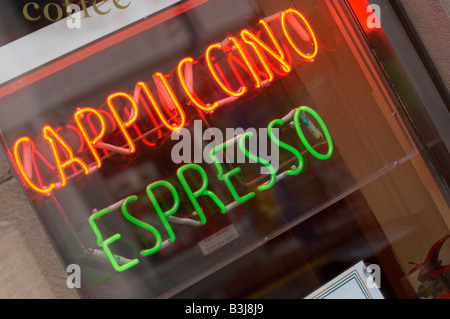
<point>218,240</point>
<point>354,283</point>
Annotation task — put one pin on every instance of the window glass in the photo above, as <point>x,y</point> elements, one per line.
<point>223,149</point>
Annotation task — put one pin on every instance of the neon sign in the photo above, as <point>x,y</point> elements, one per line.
<point>234,68</point>
<point>295,117</point>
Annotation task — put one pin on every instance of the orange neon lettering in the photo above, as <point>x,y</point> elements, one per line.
<point>158,110</point>
<point>141,101</point>
<point>299,29</point>
<point>79,114</point>
<point>21,140</point>
<point>108,115</point>
<point>231,61</point>
<point>138,131</point>
<point>171,102</point>
<point>191,94</point>
<point>94,128</point>
<point>37,153</point>
<point>51,136</point>
<point>256,44</point>
<point>153,119</point>
<point>123,125</point>
<point>57,130</point>
<point>248,64</point>
<point>79,135</point>
<point>216,77</point>
<point>134,111</point>
<point>38,174</point>
<point>43,159</point>
<point>253,56</point>
<point>225,79</point>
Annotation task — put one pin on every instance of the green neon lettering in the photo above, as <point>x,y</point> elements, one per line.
<point>112,258</point>
<point>273,173</point>
<point>239,199</point>
<point>216,162</point>
<point>142,224</point>
<point>226,177</point>
<point>163,215</point>
<point>96,279</point>
<point>94,226</point>
<point>201,191</point>
<point>105,243</point>
<point>286,147</point>
<point>322,126</point>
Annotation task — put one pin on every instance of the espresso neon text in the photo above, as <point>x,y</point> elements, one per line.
<point>236,67</point>
<point>171,199</point>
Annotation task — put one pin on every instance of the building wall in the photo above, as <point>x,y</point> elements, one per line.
<point>431,19</point>
<point>31,268</point>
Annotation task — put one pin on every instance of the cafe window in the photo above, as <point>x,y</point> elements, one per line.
<point>228,149</point>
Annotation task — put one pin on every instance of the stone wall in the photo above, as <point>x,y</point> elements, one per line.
<point>431,20</point>
<point>30,267</point>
